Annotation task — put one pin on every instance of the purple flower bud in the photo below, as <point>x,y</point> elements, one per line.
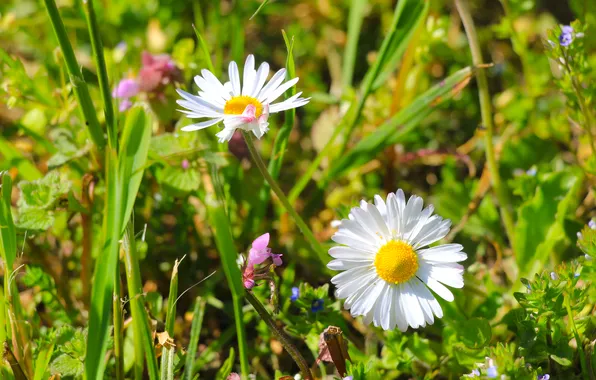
<point>491,372</point>
<point>295,294</point>
<point>127,88</point>
<point>546,376</point>
<point>185,164</point>
<point>124,105</point>
<point>592,224</point>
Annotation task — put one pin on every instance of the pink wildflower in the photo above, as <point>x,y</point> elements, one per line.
<point>157,71</point>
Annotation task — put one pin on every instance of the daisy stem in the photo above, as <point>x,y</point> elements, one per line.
<point>280,334</point>
<point>315,245</point>
<point>487,119</point>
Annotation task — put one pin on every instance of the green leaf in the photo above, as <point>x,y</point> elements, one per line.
<point>45,192</point>
<point>66,365</point>
<point>36,219</point>
<point>541,219</point>
<point>475,333</point>
<point>562,361</point>
<point>195,332</point>
<point>179,179</point>
<point>227,366</point>
<point>355,18</point>
<point>42,361</point>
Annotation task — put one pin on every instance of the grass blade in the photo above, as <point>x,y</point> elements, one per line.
<point>218,219</point>
<point>259,9</point>
<point>391,47</point>
<point>204,50</point>
<point>167,368</point>
<point>195,332</point>
<point>100,64</point>
<point>118,325</point>
<point>354,25</point>
<point>389,134</point>
<point>76,76</point>
<point>123,178</point>
<point>173,295</point>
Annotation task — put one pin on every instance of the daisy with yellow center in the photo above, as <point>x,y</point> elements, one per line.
<point>388,273</point>
<point>240,106</point>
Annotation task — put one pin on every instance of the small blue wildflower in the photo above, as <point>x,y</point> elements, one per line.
<point>546,376</point>
<point>531,172</point>
<point>317,305</point>
<point>295,294</point>
<point>566,36</point>
<point>553,276</point>
<point>592,224</point>
<point>491,372</point>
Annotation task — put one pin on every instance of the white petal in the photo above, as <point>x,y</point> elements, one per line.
<point>248,79</point>
<point>414,314</point>
<point>381,206</point>
<point>352,242</point>
<point>225,134</point>
<point>198,100</point>
<point>262,74</point>
<point>211,85</point>
<point>363,305</point>
<point>234,78</point>
<point>280,90</point>
<point>443,253</point>
<point>201,125</point>
<point>426,299</point>
<point>369,223</point>
<point>287,105</point>
<point>347,253</point>
<point>383,310</point>
<point>339,264</point>
<point>275,81</point>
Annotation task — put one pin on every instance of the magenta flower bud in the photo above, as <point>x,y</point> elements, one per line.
<point>185,164</point>
<point>127,88</point>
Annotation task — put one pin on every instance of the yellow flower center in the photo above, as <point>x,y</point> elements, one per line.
<point>396,262</point>
<point>237,104</point>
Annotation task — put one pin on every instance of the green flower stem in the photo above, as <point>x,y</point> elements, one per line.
<point>487,120</point>
<point>280,334</point>
<point>76,76</point>
<point>578,338</point>
<point>315,245</point>
<point>100,63</point>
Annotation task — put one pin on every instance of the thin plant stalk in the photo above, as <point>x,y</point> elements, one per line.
<point>280,334</point>
<point>102,72</point>
<point>118,326</point>
<point>142,332</point>
<point>310,237</point>
<point>195,333</point>
<point>87,226</point>
<point>487,120</point>
<point>76,76</point>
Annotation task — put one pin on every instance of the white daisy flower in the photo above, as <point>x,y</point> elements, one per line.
<point>244,107</point>
<point>387,271</point>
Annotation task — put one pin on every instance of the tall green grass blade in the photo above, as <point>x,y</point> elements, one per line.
<point>100,64</point>
<point>280,144</point>
<point>118,325</point>
<point>167,367</point>
<point>259,9</point>
<point>354,25</point>
<point>204,50</point>
<point>390,132</point>
<point>42,361</point>
<point>103,283</point>
<point>143,339</point>
<point>136,137</point>
<point>401,35</point>
<point>224,240</point>
<point>8,237</point>
<point>3,318</point>
<point>76,76</point>
<point>123,178</point>
<point>391,47</point>
<point>195,332</point>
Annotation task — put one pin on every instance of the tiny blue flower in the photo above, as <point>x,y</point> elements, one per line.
<point>491,372</point>
<point>592,224</point>
<point>531,172</point>
<point>546,376</point>
<point>317,305</point>
<point>553,276</point>
<point>566,36</point>
<point>295,294</point>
